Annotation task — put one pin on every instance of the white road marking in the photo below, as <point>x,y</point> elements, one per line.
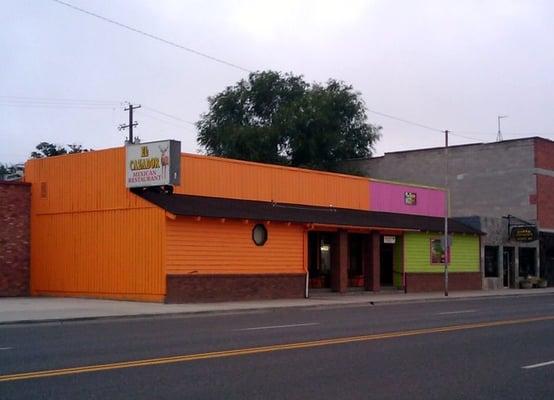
<point>544,364</point>
<point>456,312</point>
<point>6,348</point>
<point>258,328</point>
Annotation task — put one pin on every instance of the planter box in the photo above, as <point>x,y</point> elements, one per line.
<point>317,283</point>
<point>356,281</point>
<point>525,284</point>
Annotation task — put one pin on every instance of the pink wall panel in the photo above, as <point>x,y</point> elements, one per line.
<point>389,197</point>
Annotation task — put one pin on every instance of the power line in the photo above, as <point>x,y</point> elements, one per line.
<point>455,133</point>
<point>152,36</point>
<point>62,106</point>
<point>147,115</point>
<point>430,128</point>
<point>56,100</point>
<point>406,121</point>
<point>170,116</point>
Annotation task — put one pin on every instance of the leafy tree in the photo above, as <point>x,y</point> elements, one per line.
<point>76,148</point>
<point>11,171</point>
<point>45,149</point>
<point>280,118</point>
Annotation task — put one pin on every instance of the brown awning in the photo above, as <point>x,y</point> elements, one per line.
<point>216,207</point>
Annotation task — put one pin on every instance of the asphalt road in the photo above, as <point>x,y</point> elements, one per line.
<point>472,349</point>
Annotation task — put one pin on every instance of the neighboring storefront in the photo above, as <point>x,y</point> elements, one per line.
<point>508,187</point>
<point>510,250</point>
<point>220,229</point>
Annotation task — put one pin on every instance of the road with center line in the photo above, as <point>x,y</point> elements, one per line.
<point>498,348</point>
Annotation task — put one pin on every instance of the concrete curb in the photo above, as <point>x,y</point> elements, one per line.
<point>332,304</point>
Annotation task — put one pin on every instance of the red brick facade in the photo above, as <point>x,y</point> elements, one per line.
<point>545,201</point>
<point>229,287</point>
<point>434,282</point>
<point>544,154</point>
<point>15,203</point>
<point>544,159</point>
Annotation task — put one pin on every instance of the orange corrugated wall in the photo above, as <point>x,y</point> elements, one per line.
<point>214,246</point>
<point>219,177</point>
<point>89,235</point>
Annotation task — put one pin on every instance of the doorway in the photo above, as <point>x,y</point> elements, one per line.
<point>355,260</point>
<point>387,263</point>
<point>320,252</point>
<point>508,267</point>
<point>527,259</point>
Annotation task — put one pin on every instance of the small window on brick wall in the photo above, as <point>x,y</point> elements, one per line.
<point>491,261</point>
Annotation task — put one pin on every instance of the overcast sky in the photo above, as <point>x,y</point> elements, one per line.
<point>448,64</point>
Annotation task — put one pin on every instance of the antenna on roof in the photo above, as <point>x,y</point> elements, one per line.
<point>499,137</point>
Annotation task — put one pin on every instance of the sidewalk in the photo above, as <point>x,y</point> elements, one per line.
<point>43,309</point>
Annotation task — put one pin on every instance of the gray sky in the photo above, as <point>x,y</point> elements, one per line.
<point>449,64</point>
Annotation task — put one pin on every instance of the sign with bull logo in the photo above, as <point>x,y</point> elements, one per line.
<point>153,164</point>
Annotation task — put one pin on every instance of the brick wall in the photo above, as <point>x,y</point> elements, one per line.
<point>15,202</point>
<point>192,288</point>
<point>545,201</point>
<point>544,161</point>
<point>544,154</point>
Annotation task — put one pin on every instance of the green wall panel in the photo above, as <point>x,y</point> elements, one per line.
<point>417,253</point>
<point>398,259</point>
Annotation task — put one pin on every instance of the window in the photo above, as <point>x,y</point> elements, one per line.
<point>437,251</point>
<point>527,261</point>
<point>491,261</point>
<point>259,234</point>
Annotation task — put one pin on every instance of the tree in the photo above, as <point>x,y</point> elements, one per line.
<point>45,149</point>
<point>280,118</point>
<point>11,172</point>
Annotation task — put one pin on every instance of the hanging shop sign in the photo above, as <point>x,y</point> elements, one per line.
<point>524,233</point>
<point>410,198</point>
<point>153,164</point>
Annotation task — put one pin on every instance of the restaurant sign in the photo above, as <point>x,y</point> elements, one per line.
<point>410,198</point>
<point>524,233</point>
<point>153,164</point>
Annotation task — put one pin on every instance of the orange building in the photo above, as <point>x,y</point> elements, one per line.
<point>232,230</point>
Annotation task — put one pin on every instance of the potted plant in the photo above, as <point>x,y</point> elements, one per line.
<point>525,283</point>
<point>542,283</point>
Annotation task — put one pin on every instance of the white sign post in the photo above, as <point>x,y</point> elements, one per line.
<point>153,164</point>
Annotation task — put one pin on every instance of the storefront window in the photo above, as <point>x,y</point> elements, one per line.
<point>527,259</point>
<point>491,261</point>
<point>437,252</point>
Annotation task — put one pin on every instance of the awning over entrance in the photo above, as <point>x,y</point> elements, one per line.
<point>215,207</point>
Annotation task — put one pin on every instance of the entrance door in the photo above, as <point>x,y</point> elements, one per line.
<point>387,260</point>
<point>355,256</point>
<point>508,266</point>
<point>319,259</point>
<point>527,258</point>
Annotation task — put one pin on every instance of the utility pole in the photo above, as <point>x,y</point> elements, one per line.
<point>499,135</point>
<point>446,212</point>
<point>131,122</point>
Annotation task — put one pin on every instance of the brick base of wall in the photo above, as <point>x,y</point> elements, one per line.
<point>228,287</point>
<point>434,282</point>
<point>15,203</point>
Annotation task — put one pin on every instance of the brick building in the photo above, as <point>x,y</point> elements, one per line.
<point>15,203</point>
<point>496,187</point>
